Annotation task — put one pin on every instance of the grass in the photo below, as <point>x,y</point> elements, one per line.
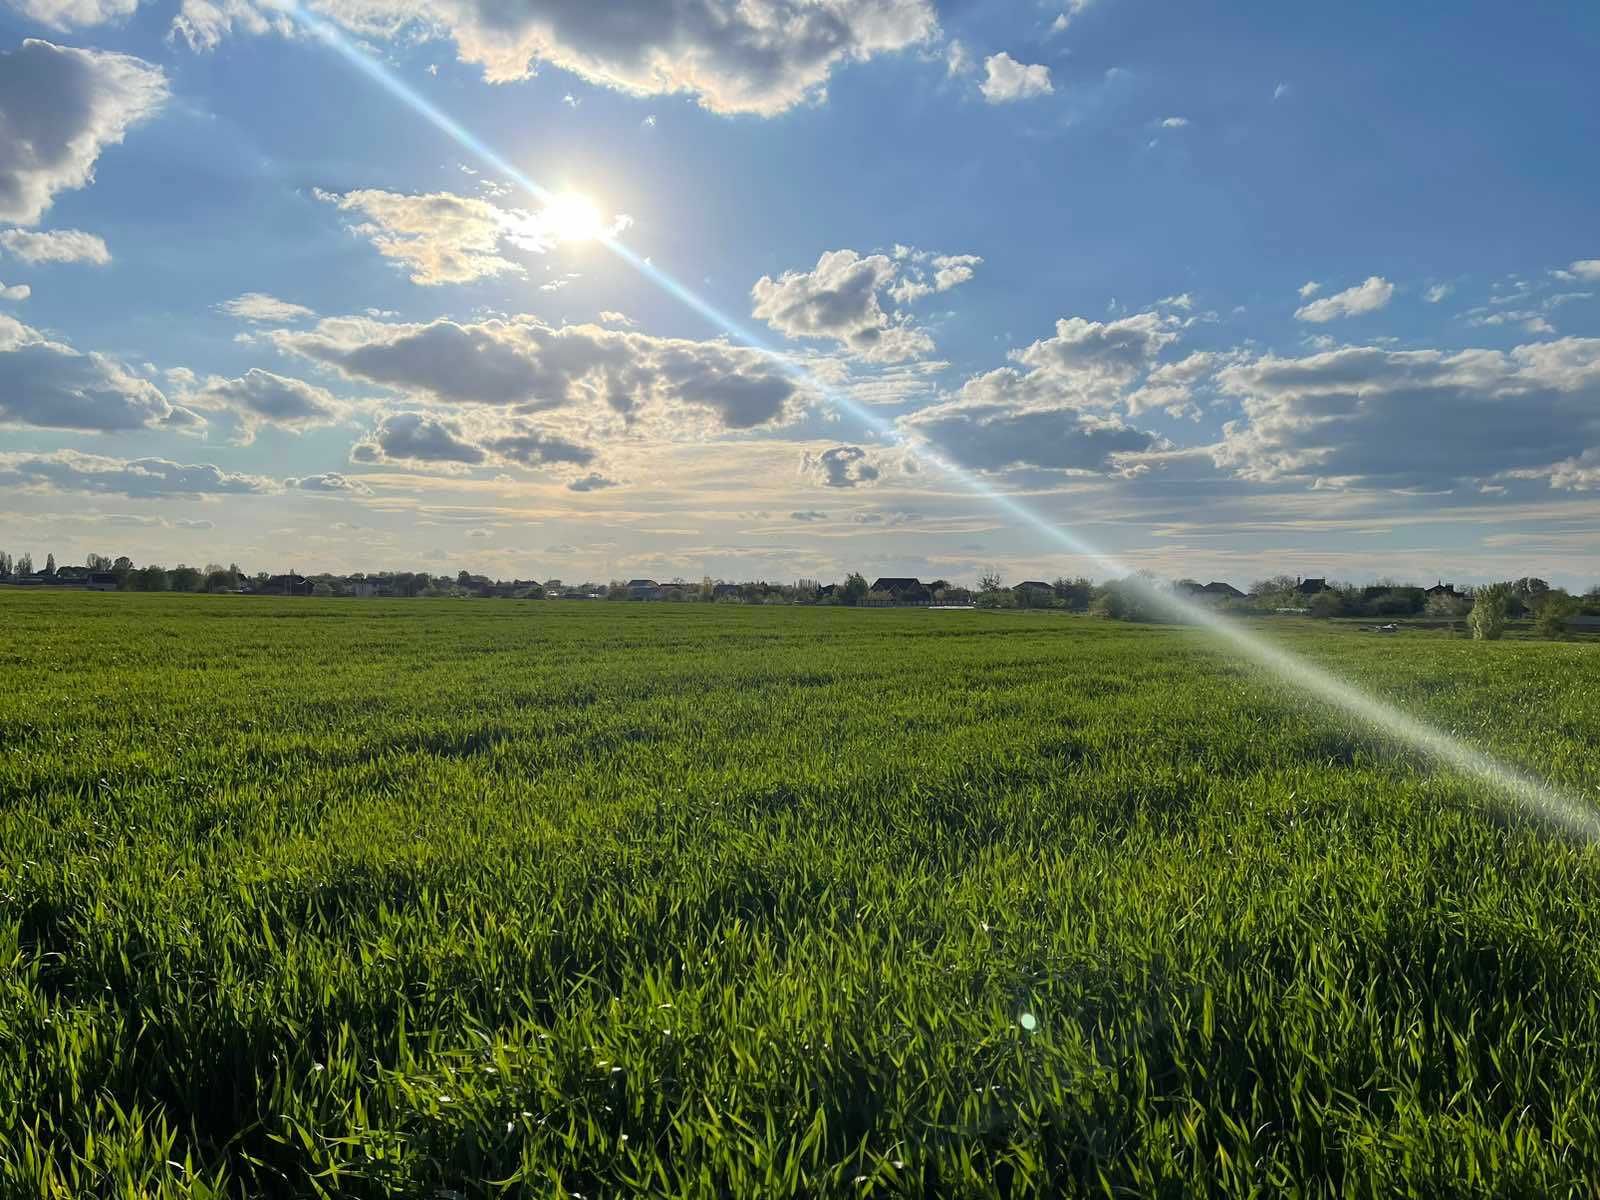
<point>308,897</point>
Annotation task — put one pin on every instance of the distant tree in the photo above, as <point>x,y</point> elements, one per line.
<point>1441,607</point>
<point>322,588</point>
<point>464,578</point>
<point>150,579</point>
<point>990,581</point>
<point>708,589</point>
<point>1076,594</point>
<point>123,564</point>
<point>1555,609</point>
<point>97,562</point>
<point>220,579</point>
<point>939,585</point>
<point>5,565</point>
<point>1488,618</point>
<point>1274,585</point>
<point>50,566</point>
<point>1327,604</point>
<point>24,564</point>
<point>186,579</point>
<point>854,590</point>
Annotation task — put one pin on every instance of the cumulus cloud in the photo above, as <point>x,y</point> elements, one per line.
<point>17,291</point>
<point>840,467</point>
<point>1087,364</point>
<point>204,23</point>
<point>609,317</point>
<point>1007,80</point>
<point>52,386</point>
<point>996,436</point>
<point>330,483</point>
<point>1586,268</point>
<point>59,108</point>
<point>758,56</point>
<point>260,308</point>
<point>55,246</point>
<point>605,376</point>
<point>455,443</point>
<point>1175,123</point>
<point>72,471</point>
<point>593,482</point>
<point>420,438</point>
<point>1309,289</point>
<point>260,398</point>
<point>441,237</point>
<point>842,299</point>
<point>1366,297</point>
<point>1170,386</point>
<point>74,14</point>
<point>1414,418</point>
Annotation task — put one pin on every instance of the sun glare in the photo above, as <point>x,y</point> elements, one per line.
<point>572,217</point>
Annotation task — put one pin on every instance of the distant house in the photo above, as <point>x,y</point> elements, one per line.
<point>1033,585</point>
<point>1218,590</point>
<point>287,585</point>
<point>1312,587</point>
<point>725,591</point>
<point>1443,589</point>
<point>102,581</point>
<point>826,590</point>
<point>909,591</point>
<point>644,589</point>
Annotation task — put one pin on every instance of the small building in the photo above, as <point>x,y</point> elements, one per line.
<point>1033,585</point>
<point>1217,590</point>
<point>644,589</point>
<point>904,591</point>
<point>287,585</point>
<point>1443,589</point>
<point>1312,587</point>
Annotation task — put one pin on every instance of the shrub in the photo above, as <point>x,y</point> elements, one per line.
<point>1488,618</point>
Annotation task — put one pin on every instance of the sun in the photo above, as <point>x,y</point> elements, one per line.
<point>573,217</point>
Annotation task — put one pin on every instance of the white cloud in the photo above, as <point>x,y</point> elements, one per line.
<point>50,385</point>
<point>1413,418</point>
<point>610,317</point>
<point>1065,18</point>
<point>1007,80</point>
<point>17,291</point>
<point>59,108</point>
<point>1309,289</point>
<point>74,14</point>
<point>592,382</point>
<point>757,56</point>
<point>1367,297</point>
<point>140,478</point>
<point>441,237</point>
<point>55,246</point>
<point>204,23</point>
<point>1586,268</point>
<point>1279,92</point>
<point>1437,292</point>
<point>260,398</point>
<point>261,308</point>
<point>1175,123</point>
<point>842,299</point>
<point>330,483</point>
<point>957,59</point>
<point>840,467</point>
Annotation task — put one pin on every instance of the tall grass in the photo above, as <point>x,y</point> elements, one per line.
<point>369,899</point>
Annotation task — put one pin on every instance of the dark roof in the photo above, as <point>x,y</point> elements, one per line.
<point>643,583</point>
<point>890,583</point>
<point>1218,588</point>
<point>1441,589</point>
<point>1035,584</point>
<point>1311,587</point>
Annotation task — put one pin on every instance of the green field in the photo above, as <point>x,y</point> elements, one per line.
<point>430,898</point>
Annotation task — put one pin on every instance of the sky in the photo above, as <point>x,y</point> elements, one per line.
<point>788,288</point>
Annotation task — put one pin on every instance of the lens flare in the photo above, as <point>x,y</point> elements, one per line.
<point>1563,808</point>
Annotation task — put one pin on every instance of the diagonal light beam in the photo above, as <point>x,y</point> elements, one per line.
<point>1564,808</point>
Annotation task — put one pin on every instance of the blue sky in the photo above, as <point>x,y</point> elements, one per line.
<point>1228,289</point>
